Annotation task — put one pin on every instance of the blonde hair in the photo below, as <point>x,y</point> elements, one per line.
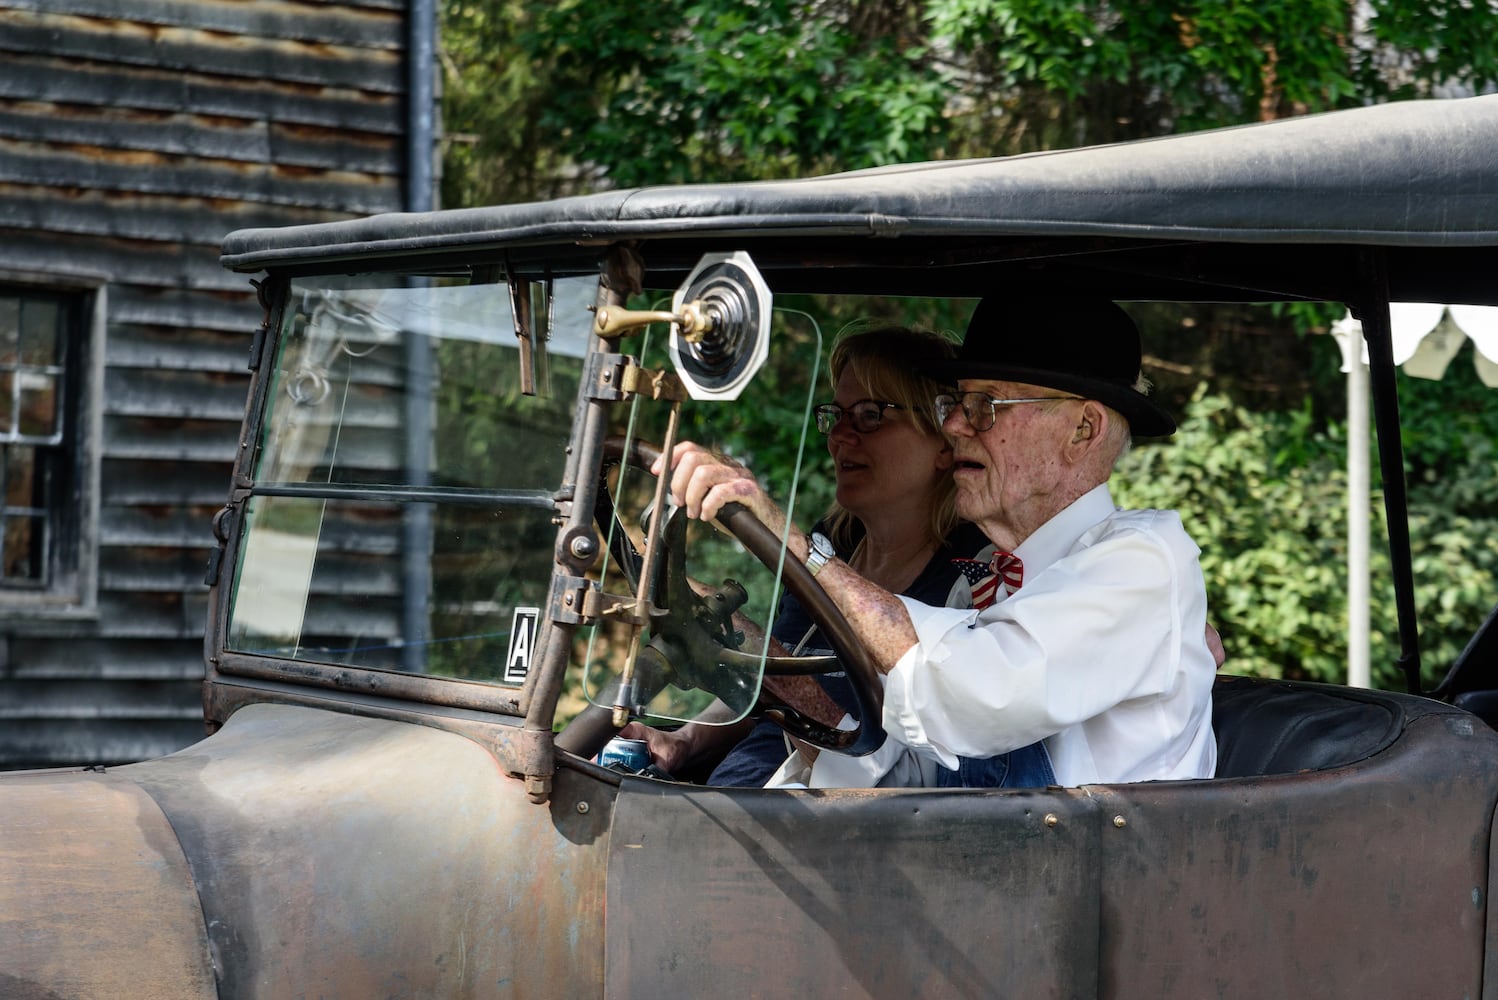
<point>884,360</point>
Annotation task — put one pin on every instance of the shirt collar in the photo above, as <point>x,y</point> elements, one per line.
<point>1060,534</point>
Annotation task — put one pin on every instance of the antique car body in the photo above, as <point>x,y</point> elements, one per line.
<point>382,807</point>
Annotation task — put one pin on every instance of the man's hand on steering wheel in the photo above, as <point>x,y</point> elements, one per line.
<point>709,487</point>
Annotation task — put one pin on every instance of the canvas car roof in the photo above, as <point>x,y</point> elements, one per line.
<point>1411,176</point>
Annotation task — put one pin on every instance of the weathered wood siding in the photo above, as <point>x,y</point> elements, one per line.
<point>133,135</point>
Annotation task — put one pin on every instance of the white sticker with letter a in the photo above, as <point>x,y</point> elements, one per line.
<point>522,641</point>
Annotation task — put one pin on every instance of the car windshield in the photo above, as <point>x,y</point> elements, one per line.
<point>402,513</point>
<point>410,474</point>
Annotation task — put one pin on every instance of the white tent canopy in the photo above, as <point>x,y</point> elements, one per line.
<point>1427,335</point>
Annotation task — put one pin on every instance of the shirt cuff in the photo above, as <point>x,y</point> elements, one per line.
<point>900,720</point>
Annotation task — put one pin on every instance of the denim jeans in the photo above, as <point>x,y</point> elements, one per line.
<point>1027,767</point>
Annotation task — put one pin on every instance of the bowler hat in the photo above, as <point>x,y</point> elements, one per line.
<point>1078,344</point>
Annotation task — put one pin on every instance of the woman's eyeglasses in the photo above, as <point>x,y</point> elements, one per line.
<point>979,407</point>
<point>865,415</point>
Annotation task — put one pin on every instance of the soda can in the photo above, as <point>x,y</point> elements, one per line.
<point>621,754</point>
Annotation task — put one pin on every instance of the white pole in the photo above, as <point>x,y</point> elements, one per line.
<point>1359,502</point>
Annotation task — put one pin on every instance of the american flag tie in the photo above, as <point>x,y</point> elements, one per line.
<point>985,577</point>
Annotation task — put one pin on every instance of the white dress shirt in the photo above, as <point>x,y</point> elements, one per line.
<point>1101,653</point>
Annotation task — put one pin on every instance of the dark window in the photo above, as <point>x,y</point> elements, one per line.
<point>42,487</point>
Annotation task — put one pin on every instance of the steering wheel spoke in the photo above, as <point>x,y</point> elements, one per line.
<point>679,635</point>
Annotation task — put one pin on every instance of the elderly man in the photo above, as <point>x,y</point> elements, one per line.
<point>1097,643</point>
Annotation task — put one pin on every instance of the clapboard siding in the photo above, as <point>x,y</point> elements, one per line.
<point>99,659</point>
<point>198,136</point>
<point>225,310</point>
<point>133,135</point>
<point>28,77</point>
<point>182,47</point>
<point>259,18</point>
<point>156,525</point>
<point>150,218</point>
<point>133,482</point>
<point>135,392</point>
<point>105,699</point>
<point>133,171</point>
<point>165,439</point>
<point>141,568</point>
<point>135,345</point>
<point>48,742</point>
<point>160,615</point>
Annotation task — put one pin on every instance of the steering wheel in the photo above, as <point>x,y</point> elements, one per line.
<point>677,638</point>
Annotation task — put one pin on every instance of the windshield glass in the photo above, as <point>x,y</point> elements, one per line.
<point>768,428</point>
<point>402,516</point>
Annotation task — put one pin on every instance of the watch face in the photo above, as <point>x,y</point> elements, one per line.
<point>820,550</point>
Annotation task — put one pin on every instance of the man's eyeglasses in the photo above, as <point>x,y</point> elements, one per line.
<point>865,415</point>
<point>979,407</point>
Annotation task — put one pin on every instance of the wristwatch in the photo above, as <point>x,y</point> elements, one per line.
<point>819,550</point>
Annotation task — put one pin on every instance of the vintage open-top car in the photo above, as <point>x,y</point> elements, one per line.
<point>441,521</point>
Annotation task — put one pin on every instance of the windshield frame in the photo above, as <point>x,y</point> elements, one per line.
<point>487,696</point>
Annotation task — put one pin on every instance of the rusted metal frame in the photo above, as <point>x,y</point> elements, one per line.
<point>462,497</point>
<point>521,314</point>
<point>577,541</point>
<point>449,692</point>
<point>497,735</point>
<point>1373,311</point>
<point>624,701</point>
<point>273,296</point>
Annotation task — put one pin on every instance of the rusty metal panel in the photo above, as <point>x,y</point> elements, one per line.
<point>1490,951</point>
<point>1366,881</point>
<point>886,893</point>
<point>342,856</point>
<point>96,899</point>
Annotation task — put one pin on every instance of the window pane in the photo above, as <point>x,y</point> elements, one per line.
<point>23,549</point>
<point>10,328</point>
<point>394,384</point>
<point>40,492</point>
<point>7,403</point>
<point>38,405</point>
<point>39,328</point>
<point>19,470</point>
<point>22,542</point>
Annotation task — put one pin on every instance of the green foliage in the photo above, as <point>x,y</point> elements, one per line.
<point>1186,65</point>
<point>693,91</point>
<point>1264,494</point>
<point>552,97</point>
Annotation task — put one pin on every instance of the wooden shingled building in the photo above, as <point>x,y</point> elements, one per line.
<point>133,135</point>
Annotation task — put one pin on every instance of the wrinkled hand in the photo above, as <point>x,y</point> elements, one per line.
<point>1214,643</point>
<point>703,483</point>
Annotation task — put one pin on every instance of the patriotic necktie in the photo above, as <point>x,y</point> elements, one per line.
<point>1005,568</point>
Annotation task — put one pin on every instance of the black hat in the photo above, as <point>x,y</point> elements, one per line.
<point>1077,344</point>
